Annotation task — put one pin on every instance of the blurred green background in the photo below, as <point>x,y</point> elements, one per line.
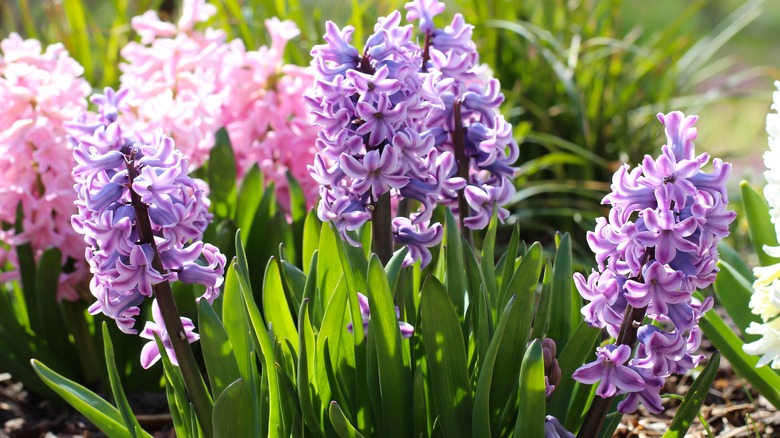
<point>583,79</point>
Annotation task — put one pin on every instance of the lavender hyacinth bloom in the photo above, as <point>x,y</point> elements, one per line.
<point>554,429</point>
<point>150,353</point>
<point>658,245</point>
<point>130,184</point>
<point>417,123</point>
<point>365,313</point>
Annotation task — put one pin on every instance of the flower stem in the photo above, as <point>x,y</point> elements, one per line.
<point>594,419</point>
<point>459,147</point>
<point>193,380</point>
<point>382,228</point>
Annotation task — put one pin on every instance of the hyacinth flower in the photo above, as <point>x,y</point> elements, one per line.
<point>765,301</point>
<point>40,90</point>
<point>143,219</point>
<point>365,313</point>
<point>658,245</point>
<point>415,125</point>
<point>189,83</point>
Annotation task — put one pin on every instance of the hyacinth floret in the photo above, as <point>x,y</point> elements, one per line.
<point>765,301</point>
<point>656,247</point>
<point>130,185</point>
<point>416,123</point>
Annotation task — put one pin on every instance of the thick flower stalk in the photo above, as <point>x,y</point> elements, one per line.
<point>658,245</point>
<point>190,83</point>
<point>765,301</point>
<point>416,124</point>
<point>39,92</point>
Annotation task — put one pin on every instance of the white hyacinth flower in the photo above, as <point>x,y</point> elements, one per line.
<point>765,301</point>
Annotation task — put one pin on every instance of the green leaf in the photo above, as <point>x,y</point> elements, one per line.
<point>573,355</point>
<point>545,303</point>
<point>294,282</point>
<point>530,418</point>
<point>222,176</point>
<point>561,308</point>
<point>765,380</point>
<point>513,340</point>
<point>311,238</point>
<point>181,402</point>
<point>455,279</point>
<point>260,336</point>
<point>298,214</point>
<point>305,378</point>
<point>693,400</point>
<point>275,306</point>
<point>762,231</point>
<point>51,320</point>
<point>249,197</point>
<point>233,414</point>
<point>509,265</point>
<point>394,378</point>
<point>106,417</point>
<point>131,423</point>
<point>236,322</point>
<point>489,261</point>
<point>26,262</point>
<point>217,350</point>
<point>343,427</point>
<point>447,361</point>
<point>734,292</point>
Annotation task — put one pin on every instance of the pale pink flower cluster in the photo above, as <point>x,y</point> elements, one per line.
<point>190,83</point>
<point>39,91</point>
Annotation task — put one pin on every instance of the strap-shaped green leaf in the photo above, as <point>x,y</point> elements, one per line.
<point>561,323</point>
<point>233,414</point>
<point>217,350</point>
<point>733,292</point>
<point>340,423</point>
<point>530,417</point>
<point>762,231</point>
<point>446,355</point>
<point>106,417</point>
<point>394,378</point>
<point>222,176</point>
<point>275,306</point>
<point>131,423</point>
<point>764,379</point>
<point>693,400</point>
